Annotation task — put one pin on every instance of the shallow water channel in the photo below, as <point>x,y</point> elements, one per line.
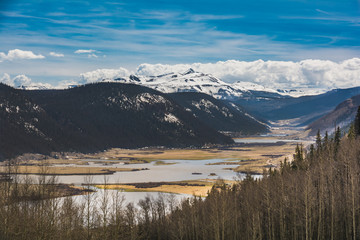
<point>178,170</point>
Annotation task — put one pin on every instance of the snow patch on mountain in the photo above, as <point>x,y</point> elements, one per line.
<point>171,118</point>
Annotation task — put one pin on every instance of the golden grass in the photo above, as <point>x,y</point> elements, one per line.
<point>201,191</point>
<point>163,154</point>
<point>164,163</point>
<point>56,161</point>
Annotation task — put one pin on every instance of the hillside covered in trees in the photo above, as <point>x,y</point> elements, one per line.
<point>220,115</point>
<point>315,196</point>
<point>96,117</point>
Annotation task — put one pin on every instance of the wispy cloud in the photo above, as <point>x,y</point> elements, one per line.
<point>90,52</point>
<point>80,51</point>
<point>207,17</point>
<point>15,14</point>
<point>92,55</point>
<point>322,11</point>
<point>17,54</point>
<point>329,17</point>
<point>54,54</point>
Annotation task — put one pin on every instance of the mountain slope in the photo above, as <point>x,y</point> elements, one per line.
<point>24,125</point>
<point>341,116</point>
<point>221,115</point>
<point>306,108</point>
<point>99,116</point>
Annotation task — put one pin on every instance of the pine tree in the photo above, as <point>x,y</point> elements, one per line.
<point>351,133</point>
<point>337,139</point>
<point>318,140</point>
<point>312,153</point>
<point>297,163</point>
<point>326,139</point>
<point>357,122</point>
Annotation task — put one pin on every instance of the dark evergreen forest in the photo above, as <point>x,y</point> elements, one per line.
<point>96,117</point>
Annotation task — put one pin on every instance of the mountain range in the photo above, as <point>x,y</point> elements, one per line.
<point>189,81</point>
<point>261,102</point>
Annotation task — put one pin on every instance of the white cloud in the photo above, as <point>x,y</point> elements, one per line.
<point>321,74</point>
<point>104,74</point>
<point>92,55</point>
<point>20,81</point>
<point>307,75</point>
<point>90,52</point>
<point>6,79</point>
<point>66,84</point>
<point>17,54</point>
<point>80,51</point>
<point>54,54</point>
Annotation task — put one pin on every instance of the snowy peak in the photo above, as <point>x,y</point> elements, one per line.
<point>192,81</point>
<point>189,71</point>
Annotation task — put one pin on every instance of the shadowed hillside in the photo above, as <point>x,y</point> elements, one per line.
<point>95,117</point>
<point>341,116</point>
<point>221,115</point>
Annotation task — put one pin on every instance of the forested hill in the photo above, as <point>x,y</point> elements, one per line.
<point>95,117</point>
<point>219,114</point>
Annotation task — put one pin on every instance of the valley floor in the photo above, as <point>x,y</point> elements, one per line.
<point>248,155</point>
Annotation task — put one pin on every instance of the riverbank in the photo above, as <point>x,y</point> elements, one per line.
<point>199,188</point>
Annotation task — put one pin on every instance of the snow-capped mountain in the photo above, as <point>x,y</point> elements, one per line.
<point>191,81</point>
<point>169,82</point>
<point>187,81</point>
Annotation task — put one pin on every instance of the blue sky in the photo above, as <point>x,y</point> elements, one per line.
<point>112,34</point>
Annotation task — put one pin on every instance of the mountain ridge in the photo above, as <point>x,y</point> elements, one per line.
<point>341,116</point>
<point>96,117</point>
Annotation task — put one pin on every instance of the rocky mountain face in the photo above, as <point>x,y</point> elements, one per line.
<point>341,116</point>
